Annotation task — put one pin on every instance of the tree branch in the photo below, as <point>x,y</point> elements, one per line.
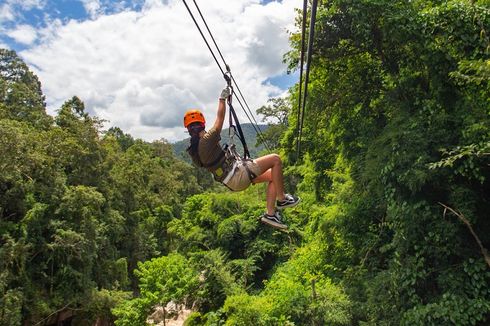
<point>54,313</point>
<point>460,215</point>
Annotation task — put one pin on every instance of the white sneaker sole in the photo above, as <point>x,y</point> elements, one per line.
<point>289,205</point>
<point>272,223</point>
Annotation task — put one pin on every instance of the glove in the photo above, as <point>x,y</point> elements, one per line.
<point>225,93</point>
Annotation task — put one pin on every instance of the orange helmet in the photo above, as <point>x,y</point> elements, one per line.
<point>193,116</point>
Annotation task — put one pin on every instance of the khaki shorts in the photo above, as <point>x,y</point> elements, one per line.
<point>240,179</point>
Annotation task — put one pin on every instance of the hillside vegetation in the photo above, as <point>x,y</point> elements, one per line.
<point>393,228</point>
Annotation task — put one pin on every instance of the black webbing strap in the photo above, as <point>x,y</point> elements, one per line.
<point>246,153</point>
<point>234,123</point>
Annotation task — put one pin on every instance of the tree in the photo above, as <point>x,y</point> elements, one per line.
<point>78,140</point>
<point>21,97</point>
<point>275,113</point>
<point>124,140</point>
<point>397,103</point>
<point>161,280</point>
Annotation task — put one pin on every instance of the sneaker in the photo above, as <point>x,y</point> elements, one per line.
<point>273,220</point>
<point>289,201</point>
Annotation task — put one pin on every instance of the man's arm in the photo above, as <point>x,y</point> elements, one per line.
<point>220,117</point>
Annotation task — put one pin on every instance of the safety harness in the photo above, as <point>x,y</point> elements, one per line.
<point>233,160</point>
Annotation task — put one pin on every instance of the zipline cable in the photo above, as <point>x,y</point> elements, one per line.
<point>242,139</point>
<point>203,37</point>
<point>210,34</point>
<point>307,73</point>
<point>258,131</point>
<point>250,111</point>
<point>302,57</point>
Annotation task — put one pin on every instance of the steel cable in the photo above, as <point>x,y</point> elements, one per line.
<point>307,72</point>
<point>254,125</point>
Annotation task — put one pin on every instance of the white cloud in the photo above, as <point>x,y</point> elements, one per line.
<point>92,7</point>
<point>24,34</point>
<point>10,9</point>
<point>143,70</point>
<point>11,14</point>
<point>6,13</point>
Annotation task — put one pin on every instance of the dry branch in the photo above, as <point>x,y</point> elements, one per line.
<point>463,219</point>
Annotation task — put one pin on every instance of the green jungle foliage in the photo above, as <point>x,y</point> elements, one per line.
<point>394,179</point>
<point>397,125</point>
<point>79,209</point>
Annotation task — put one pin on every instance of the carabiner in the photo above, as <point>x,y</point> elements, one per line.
<point>227,75</point>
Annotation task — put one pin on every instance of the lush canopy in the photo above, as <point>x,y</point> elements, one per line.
<point>394,179</point>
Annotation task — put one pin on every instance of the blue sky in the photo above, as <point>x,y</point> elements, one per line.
<point>40,13</point>
<point>141,64</point>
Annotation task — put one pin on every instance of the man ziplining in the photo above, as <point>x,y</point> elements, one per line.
<point>233,171</point>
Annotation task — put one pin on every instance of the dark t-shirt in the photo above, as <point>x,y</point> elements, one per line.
<point>210,149</point>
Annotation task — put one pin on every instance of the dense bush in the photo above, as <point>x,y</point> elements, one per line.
<point>394,180</point>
